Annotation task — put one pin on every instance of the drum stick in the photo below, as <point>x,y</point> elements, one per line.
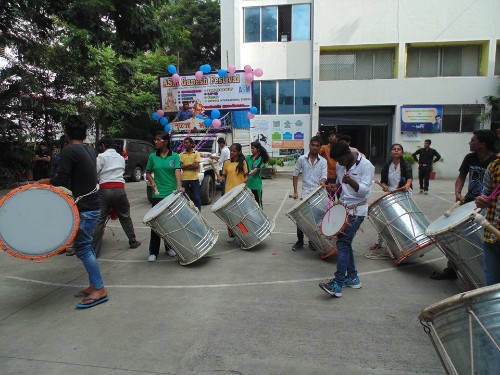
<point>481,220</point>
<point>447,213</point>
<point>214,168</point>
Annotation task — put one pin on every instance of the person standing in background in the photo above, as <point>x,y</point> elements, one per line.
<point>190,162</point>
<point>324,151</point>
<point>42,162</point>
<point>255,164</point>
<point>224,155</point>
<point>426,157</point>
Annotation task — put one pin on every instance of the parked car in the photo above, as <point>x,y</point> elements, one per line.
<point>136,153</point>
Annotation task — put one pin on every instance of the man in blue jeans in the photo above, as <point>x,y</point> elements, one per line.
<point>77,172</point>
<point>355,174</point>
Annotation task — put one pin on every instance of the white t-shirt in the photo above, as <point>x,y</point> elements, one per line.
<point>224,155</point>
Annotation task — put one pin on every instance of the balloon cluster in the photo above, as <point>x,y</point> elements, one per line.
<point>204,69</point>
<point>213,120</point>
<point>158,115</point>
<point>173,70</point>
<point>252,112</point>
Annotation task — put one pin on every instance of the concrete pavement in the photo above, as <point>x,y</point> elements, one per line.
<point>233,312</point>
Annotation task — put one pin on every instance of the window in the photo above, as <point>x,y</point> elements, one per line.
<point>497,61</point>
<point>282,97</point>
<point>356,65</point>
<point>449,61</point>
<point>281,23</point>
<point>461,118</point>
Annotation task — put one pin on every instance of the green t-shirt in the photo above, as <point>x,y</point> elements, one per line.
<point>255,180</point>
<point>164,172</point>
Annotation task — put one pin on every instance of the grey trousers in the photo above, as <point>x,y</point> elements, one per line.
<point>117,199</point>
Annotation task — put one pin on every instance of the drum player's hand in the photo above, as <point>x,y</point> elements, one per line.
<point>459,198</point>
<point>385,188</point>
<point>482,201</point>
<point>331,187</point>
<point>181,189</point>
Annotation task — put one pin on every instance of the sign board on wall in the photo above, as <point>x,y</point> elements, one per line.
<point>421,118</point>
<point>211,92</point>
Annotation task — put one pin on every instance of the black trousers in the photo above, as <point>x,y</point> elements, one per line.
<point>424,173</point>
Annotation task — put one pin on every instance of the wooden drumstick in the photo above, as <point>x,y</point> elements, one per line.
<point>216,171</point>
<point>379,184</point>
<point>447,213</point>
<point>481,220</point>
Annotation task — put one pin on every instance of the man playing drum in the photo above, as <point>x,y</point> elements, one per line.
<point>314,171</point>
<point>355,175</point>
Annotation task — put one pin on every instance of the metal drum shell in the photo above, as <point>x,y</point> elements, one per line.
<point>461,240</point>
<point>308,214</point>
<point>452,327</point>
<point>402,226</point>
<point>182,226</point>
<point>239,210</point>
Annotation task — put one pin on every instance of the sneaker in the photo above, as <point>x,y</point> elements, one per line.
<point>421,191</point>
<point>152,258</point>
<point>332,288</point>
<point>352,283</point>
<point>134,244</point>
<point>426,192</point>
<point>171,253</point>
<point>298,245</point>
<point>230,239</point>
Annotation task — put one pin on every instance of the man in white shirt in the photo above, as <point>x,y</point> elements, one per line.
<point>314,172</point>
<point>112,195</point>
<point>355,174</point>
<point>224,155</point>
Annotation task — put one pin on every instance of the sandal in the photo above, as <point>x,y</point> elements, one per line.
<point>446,274</point>
<point>375,246</point>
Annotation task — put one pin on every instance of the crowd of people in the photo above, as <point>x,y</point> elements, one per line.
<point>337,166</point>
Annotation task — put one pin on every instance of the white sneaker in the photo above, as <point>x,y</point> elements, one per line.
<point>230,239</point>
<point>152,258</point>
<point>171,253</point>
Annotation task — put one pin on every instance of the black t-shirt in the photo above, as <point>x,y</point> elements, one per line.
<point>476,169</point>
<point>77,172</point>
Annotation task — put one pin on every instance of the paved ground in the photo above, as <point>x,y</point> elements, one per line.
<point>233,312</point>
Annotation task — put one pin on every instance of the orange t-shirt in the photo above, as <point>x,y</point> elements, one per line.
<point>332,164</point>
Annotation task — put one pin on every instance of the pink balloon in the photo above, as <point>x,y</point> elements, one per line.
<point>199,75</point>
<point>231,69</point>
<point>175,77</point>
<point>258,72</point>
<point>160,112</point>
<point>247,69</point>
<point>249,77</point>
<point>216,123</point>
<point>250,115</point>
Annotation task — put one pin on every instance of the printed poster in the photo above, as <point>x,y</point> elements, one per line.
<point>422,118</point>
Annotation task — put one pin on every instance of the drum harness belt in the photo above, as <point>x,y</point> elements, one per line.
<point>77,199</point>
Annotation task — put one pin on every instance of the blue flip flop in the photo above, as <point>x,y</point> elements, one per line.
<point>94,302</point>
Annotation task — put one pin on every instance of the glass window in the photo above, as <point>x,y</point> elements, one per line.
<point>428,62</point>
<point>269,24</point>
<point>383,65</point>
<point>364,65</point>
<point>286,99</point>
<point>452,61</point>
<point>256,94</point>
<point>252,24</point>
<point>301,25</point>
<point>497,61</point>
<point>268,97</point>
<point>470,61</point>
<point>302,96</point>
<point>285,23</point>
<point>470,113</point>
<point>449,61</point>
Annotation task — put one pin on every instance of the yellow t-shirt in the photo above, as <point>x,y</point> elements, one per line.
<point>233,178</point>
<point>187,159</point>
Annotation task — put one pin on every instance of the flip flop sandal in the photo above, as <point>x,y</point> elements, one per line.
<point>91,302</point>
<point>82,294</point>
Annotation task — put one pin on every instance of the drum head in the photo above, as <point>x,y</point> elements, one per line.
<point>457,217</point>
<point>333,221</point>
<point>37,221</point>
<point>228,197</point>
<point>301,201</point>
<point>160,207</point>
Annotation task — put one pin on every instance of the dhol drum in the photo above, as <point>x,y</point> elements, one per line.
<point>334,221</point>
<point>465,331</point>
<point>461,240</point>
<point>178,221</point>
<point>37,221</point>
<point>242,214</point>
<point>401,225</point>
<point>308,215</point>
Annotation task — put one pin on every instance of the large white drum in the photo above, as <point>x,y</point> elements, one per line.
<point>308,215</point>
<point>178,221</point>
<point>461,240</point>
<point>242,214</point>
<point>465,331</point>
<point>37,221</point>
<point>401,225</point>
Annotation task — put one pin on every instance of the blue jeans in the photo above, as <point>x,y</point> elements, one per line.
<point>491,262</point>
<point>345,257</point>
<point>83,247</point>
<point>193,190</point>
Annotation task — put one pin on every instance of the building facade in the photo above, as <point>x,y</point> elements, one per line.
<point>381,71</point>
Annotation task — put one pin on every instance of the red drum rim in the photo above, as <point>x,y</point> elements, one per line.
<point>398,261</point>
<point>61,248</point>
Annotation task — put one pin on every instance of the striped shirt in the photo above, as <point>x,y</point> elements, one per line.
<point>491,180</point>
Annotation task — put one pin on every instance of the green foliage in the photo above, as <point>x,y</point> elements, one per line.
<point>408,158</point>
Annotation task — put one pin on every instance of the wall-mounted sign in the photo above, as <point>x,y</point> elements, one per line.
<point>421,118</point>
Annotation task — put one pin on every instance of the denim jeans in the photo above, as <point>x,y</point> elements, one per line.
<point>83,247</point>
<point>345,257</point>
<point>491,261</point>
<point>193,190</point>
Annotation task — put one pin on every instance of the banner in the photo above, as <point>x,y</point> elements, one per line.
<point>211,92</point>
<point>421,118</point>
<point>280,132</point>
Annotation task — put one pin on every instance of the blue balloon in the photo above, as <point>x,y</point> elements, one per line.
<point>164,121</point>
<point>199,116</point>
<point>155,116</point>
<point>215,114</point>
<point>208,122</point>
<point>222,73</point>
<point>172,69</point>
<point>205,68</point>
<point>167,127</point>
<point>253,110</point>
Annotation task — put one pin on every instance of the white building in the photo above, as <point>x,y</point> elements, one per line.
<point>351,65</point>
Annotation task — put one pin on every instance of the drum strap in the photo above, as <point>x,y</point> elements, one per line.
<point>77,199</point>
